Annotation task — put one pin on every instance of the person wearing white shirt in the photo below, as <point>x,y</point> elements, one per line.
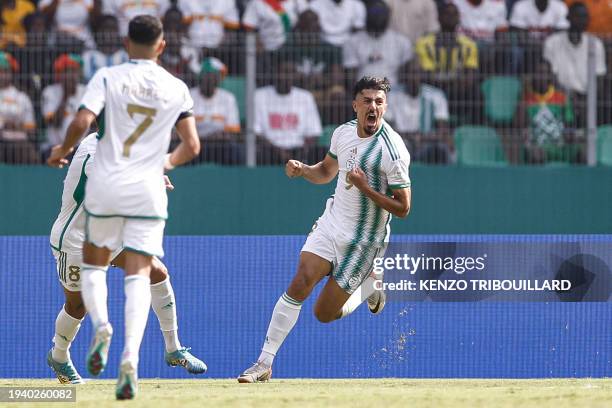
<point>379,51</point>
<point>125,10</point>
<point>71,17</point>
<point>61,100</point>
<point>539,17</point>
<point>109,50</point>
<point>272,19</point>
<point>217,117</point>
<point>208,19</point>
<point>414,18</point>
<point>419,113</point>
<point>287,120</point>
<point>481,19</point>
<point>567,51</point>
<point>339,18</point>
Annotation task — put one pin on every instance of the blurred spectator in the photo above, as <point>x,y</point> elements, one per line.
<point>287,121</point>
<point>481,19</point>
<point>601,15</point>
<point>379,51</point>
<point>567,51</point>
<point>419,113</point>
<point>547,112</point>
<point>60,101</point>
<point>273,19</point>
<point>178,57</point>
<point>450,60</point>
<point>109,50</point>
<point>539,17</point>
<point>36,58</point>
<point>217,117</point>
<point>125,10</point>
<point>12,14</point>
<point>16,117</point>
<point>339,18</point>
<point>72,18</point>
<point>207,20</point>
<point>414,18</point>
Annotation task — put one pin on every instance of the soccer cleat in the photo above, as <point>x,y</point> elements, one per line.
<point>182,357</point>
<point>376,301</point>
<point>258,372</point>
<point>127,384</point>
<point>65,372</point>
<point>98,351</point>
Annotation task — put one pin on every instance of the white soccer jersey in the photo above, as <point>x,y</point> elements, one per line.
<point>385,160</point>
<point>68,232</point>
<point>137,103</point>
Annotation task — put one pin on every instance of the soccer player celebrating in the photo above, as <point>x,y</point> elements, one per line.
<point>371,162</point>
<point>137,104</point>
<point>67,236</point>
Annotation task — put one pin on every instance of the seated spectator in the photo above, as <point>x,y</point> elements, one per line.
<point>273,19</point>
<point>601,15</point>
<point>287,121</point>
<point>339,19</point>
<point>125,10</point>
<point>450,60</point>
<point>539,18</point>
<point>567,53</point>
<point>178,57</point>
<point>16,118</point>
<point>419,113</point>
<point>217,117</point>
<point>379,51</point>
<point>71,18</point>
<point>414,18</point>
<point>318,67</point>
<point>12,29</point>
<point>548,115</point>
<point>482,19</point>
<point>208,19</point>
<point>61,100</point>
<point>109,49</point>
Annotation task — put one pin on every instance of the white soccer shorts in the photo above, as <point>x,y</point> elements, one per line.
<point>133,234</point>
<point>68,265</point>
<point>351,262</point>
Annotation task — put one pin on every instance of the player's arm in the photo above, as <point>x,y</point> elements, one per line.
<point>321,173</point>
<point>398,204</point>
<point>77,128</point>
<point>188,148</point>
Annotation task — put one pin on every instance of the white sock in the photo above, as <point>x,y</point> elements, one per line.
<point>358,297</point>
<point>284,317</point>
<point>137,303</point>
<point>66,328</point>
<point>95,293</point>
<point>164,306</point>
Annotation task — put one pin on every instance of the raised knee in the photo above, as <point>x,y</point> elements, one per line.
<point>159,272</point>
<point>75,309</point>
<point>323,316</point>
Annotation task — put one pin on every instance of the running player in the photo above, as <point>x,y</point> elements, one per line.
<point>137,105</point>
<point>371,162</point>
<point>67,236</point>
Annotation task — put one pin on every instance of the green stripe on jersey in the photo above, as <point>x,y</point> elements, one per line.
<point>78,195</point>
<point>391,146</point>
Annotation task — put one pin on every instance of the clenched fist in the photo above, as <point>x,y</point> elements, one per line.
<point>294,168</point>
<point>358,178</point>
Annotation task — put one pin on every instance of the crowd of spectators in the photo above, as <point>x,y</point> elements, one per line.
<point>437,54</point>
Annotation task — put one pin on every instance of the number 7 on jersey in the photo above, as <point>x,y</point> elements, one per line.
<point>149,114</point>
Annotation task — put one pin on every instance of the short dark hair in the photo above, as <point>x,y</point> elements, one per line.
<point>368,82</point>
<point>145,29</point>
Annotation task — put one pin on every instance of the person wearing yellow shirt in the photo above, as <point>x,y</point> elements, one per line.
<point>13,30</point>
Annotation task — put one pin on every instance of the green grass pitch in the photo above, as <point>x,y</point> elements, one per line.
<point>353,393</point>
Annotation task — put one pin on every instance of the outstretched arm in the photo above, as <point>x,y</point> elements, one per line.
<point>77,128</point>
<point>321,173</point>
<point>398,204</point>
